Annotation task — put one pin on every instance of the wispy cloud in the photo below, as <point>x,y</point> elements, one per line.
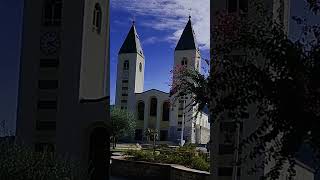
<point>171,16</point>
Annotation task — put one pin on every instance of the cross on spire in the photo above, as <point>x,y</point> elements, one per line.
<point>134,19</point>
<point>190,9</point>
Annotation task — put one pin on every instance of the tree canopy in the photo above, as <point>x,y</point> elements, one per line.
<point>255,64</point>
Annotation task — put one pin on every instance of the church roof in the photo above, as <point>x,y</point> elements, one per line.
<point>131,43</point>
<point>187,40</point>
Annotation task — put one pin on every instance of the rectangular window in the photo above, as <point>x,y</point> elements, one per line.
<point>179,129</point>
<point>124,101</point>
<point>49,63</point>
<point>125,81</point>
<point>48,84</point>
<point>125,88</point>
<point>46,125</point>
<point>225,149</point>
<point>124,94</point>
<point>52,13</point>
<point>243,6</point>
<point>232,6</point>
<point>47,104</point>
<point>163,135</point>
<point>180,122</point>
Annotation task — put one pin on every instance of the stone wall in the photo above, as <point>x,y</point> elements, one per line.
<point>155,171</point>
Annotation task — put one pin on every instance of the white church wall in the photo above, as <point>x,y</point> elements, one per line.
<point>93,77</point>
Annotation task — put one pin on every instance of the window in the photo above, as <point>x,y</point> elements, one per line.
<point>97,18</point>
<point>52,13</point>
<point>243,6</point>
<point>163,135</point>
<point>48,84</point>
<point>153,107</point>
<point>179,129</point>
<point>180,115</point>
<point>126,65</point>
<point>141,111</point>
<point>184,61</point>
<point>197,66</point>
<point>165,111</point>
<point>123,101</point>
<point>47,104</point>
<point>44,147</point>
<point>138,134</point>
<point>180,122</point>
<point>49,63</point>
<point>124,94</point>
<point>232,6</point>
<point>124,81</point>
<point>225,149</point>
<point>125,88</point>
<point>140,67</point>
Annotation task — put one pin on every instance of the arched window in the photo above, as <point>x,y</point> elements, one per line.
<point>97,18</point>
<point>140,67</point>
<point>184,61</point>
<point>126,65</point>
<point>153,107</point>
<point>52,12</point>
<point>141,111</point>
<point>165,111</point>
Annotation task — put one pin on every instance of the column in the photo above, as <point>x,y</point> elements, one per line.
<point>159,116</point>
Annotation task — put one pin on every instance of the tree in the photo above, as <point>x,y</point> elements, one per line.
<point>152,134</point>
<point>276,75</point>
<point>123,124</point>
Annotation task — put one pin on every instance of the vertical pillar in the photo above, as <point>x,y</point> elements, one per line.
<point>146,115</point>
<point>159,116</point>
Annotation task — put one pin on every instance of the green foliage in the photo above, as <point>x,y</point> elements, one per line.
<point>20,163</point>
<point>186,156</point>
<point>123,123</point>
<point>276,76</point>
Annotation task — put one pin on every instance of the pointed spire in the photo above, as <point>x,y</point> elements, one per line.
<point>132,43</point>
<point>187,40</point>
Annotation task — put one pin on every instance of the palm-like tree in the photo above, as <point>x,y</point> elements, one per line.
<point>152,134</point>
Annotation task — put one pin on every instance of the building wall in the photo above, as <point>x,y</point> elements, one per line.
<point>74,121</point>
<point>133,75</point>
<point>154,122</point>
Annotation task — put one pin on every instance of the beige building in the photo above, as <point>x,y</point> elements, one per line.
<point>63,87</point>
<point>224,133</point>
<point>153,108</point>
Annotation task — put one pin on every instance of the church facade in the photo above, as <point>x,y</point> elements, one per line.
<point>153,108</point>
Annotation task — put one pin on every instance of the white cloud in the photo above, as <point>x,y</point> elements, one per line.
<point>172,16</point>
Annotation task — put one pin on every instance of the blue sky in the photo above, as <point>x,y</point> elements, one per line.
<point>159,24</point>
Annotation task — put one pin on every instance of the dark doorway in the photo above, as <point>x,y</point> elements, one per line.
<point>99,154</point>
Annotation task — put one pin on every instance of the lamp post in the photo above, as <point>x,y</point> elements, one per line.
<point>182,125</point>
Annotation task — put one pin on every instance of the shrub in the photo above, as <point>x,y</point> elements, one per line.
<point>20,163</point>
<point>186,156</point>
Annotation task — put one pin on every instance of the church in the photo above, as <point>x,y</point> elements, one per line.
<point>154,108</point>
